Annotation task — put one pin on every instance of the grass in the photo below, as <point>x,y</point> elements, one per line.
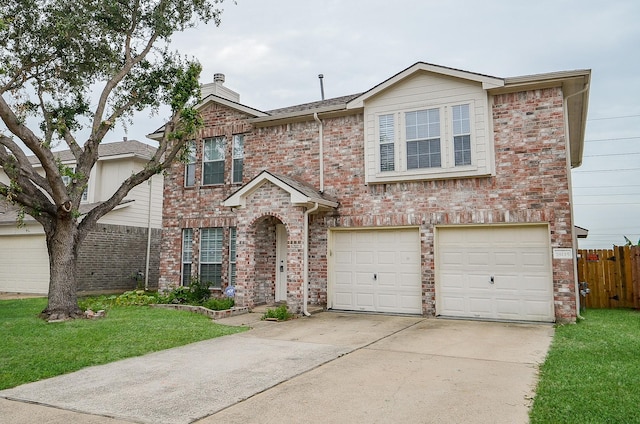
<point>592,371</point>
<point>32,349</point>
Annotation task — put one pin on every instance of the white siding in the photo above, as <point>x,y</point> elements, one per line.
<point>425,90</point>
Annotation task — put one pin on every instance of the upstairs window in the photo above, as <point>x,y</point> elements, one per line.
<point>423,139</point>
<point>387,137</point>
<point>67,180</point>
<point>238,158</point>
<point>190,167</point>
<point>461,135</point>
<point>213,161</point>
<point>446,141</point>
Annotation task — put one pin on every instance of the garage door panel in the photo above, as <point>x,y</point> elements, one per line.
<point>385,268</point>
<point>387,279</point>
<point>364,258</point>
<point>519,259</point>
<point>480,306</point>
<point>364,302</point>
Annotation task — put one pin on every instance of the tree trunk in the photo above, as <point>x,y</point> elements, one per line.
<point>62,245</point>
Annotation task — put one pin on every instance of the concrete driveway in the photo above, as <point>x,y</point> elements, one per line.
<point>331,367</point>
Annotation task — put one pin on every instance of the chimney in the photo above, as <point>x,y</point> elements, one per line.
<point>217,88</point>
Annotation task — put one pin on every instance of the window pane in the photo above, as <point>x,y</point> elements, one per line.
<point>387,157</point>
<point>237,170</point>
<point>386,129</point>
<point>213,173</point>
<point>461,120</point>
<point>232,244</point>
<point>187,254</point>
<point>462,149</point>
<point>232,256</point>
<point>423,154</point>
<point>238,146</point>
<point>190,167</point>
<point>211,273</point>
<point>211,245</point>
<point>422,124</point>
<point>238,158</point>
<point>214,149</point>
<point>190,175</point>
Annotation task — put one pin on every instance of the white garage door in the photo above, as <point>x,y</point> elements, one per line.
<point>24,263</point>
<point>494,272</point>
<point>376,271</point>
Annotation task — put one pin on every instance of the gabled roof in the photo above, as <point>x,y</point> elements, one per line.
<point>486,80</point>
<point>301,193</point>
<point>129,148</point>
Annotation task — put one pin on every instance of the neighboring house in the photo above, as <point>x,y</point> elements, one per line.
<point>437,192</point>
<point>113,257</point>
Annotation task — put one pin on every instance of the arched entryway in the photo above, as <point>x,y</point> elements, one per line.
<point>271,264</point>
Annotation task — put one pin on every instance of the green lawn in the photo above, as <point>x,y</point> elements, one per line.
<point>592,372</point>
<point>32,349</point>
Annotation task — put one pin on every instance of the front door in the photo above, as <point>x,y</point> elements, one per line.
<point>281,263</point>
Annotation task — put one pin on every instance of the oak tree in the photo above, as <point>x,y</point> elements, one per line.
<point>77,68</point>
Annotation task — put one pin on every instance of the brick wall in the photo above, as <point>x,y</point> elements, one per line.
<point>530,186</point>
<point>111,256</point>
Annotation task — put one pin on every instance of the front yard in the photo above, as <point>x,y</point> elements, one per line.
<point>32,349</point>
<point>592,372</point>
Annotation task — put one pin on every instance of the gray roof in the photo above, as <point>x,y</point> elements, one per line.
<point>304,188</point>
<point>105,150</point>
<point>336,101</point>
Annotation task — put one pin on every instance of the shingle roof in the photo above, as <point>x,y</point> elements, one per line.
<point>336,101</point>
<point>129,147</point>
<point>304,188</point>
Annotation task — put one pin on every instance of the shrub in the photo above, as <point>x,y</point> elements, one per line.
<point>281,313</point>
<point>219,304</point>
<point>129,298</point>
<point>195,294</point>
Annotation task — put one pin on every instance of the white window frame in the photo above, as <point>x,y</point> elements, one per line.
<point>447,153</point>
<point>187,256</point>
<point>237,154</point>
<point>190,166</point>
<point>212,255</point>
<point>206,161</point>
<point>233,234</point>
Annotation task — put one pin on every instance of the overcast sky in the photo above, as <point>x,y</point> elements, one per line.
<point>272,51</point>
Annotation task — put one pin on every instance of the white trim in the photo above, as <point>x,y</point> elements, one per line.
<point>487,81</point>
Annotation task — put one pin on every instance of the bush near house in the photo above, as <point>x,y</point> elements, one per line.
<point>196,294</point>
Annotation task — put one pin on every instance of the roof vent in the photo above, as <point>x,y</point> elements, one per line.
<point>218,78</point>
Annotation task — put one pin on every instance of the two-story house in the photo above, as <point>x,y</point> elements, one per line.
<point>121,253</point>
<point>436,192</point>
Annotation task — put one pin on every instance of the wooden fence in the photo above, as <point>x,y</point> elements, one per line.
<point>613,276</point>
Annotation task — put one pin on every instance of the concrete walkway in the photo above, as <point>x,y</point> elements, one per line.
<point>330,367</point>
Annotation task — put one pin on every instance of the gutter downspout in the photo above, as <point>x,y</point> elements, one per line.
<point>146,271</point>
<point>574,239</point>
<point>321,148</point>
<point>305,253</point>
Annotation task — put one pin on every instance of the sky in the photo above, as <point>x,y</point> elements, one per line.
<point>272,51</point>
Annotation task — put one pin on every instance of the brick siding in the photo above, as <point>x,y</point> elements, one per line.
<point>530,185</point>
<point>111,256</point>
